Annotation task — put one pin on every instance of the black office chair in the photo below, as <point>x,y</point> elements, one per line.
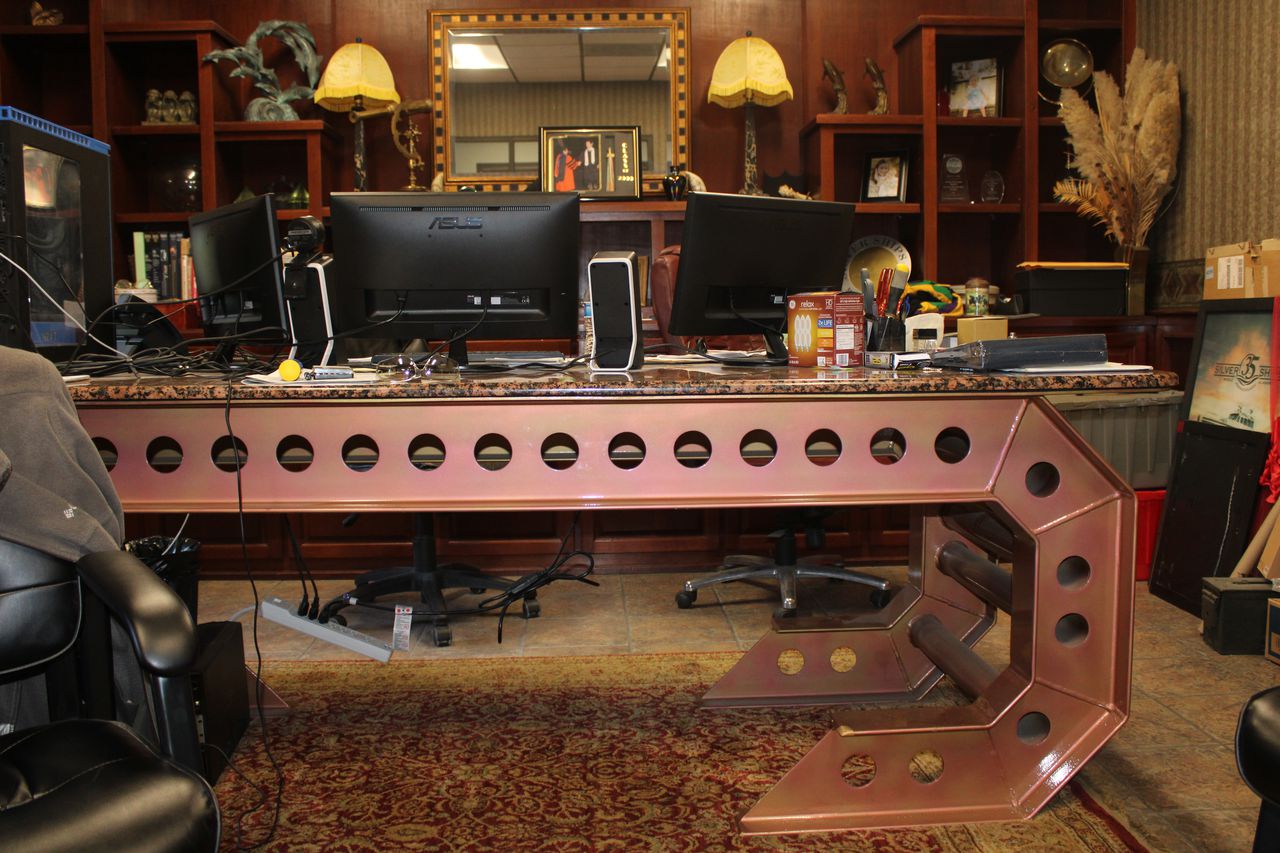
<point>76,783</point>
<point>785,566</point>
<point>1258,759</point>
<point>428,579</point>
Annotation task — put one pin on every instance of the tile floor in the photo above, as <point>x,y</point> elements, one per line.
<point>1170,772</point>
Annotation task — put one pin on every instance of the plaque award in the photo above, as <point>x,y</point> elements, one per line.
<point>955,183</point>
<point>991,189</point>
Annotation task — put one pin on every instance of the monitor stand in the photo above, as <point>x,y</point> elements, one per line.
<point>775,347</point>
<point>458,347</point>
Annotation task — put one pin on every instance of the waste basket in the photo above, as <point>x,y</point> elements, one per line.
<point>176,561</point>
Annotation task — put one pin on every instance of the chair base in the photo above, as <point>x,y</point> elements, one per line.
<point>430,586</point>
<point>740,567</point>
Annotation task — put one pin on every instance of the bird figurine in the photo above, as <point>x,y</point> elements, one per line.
<point>42,17</point>
<point>877,81</point>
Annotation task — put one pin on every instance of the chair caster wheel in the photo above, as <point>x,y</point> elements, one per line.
<point>476,590</point>
<point>441,635</point>
<point>530,609</point>
<point>339,618</point>
<point>881,597</point>
<point>685,598</point>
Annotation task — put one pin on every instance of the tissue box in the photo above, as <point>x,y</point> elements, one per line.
<point>970,329</point>
<point>826,329</point>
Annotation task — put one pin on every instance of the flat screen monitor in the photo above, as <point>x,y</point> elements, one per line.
<point>236,253</point>
<point>456,266</point>
<point>741,255</point>
<point>55,221</point>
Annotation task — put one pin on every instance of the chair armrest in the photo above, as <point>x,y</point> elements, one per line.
<point>158,623</point>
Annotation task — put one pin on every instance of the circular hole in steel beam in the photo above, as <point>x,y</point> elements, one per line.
<point>164,454</point>
<point>295,453</point>
<point>1043,479</point>
<point>559,451</point>
<point>360,453</point>
<point>888,446</point>
<point>843,659</point>
<point>1071,630</point>
<point>858,770</point>
<point>493,452</point>
<point>107,450</point>
<point>1074,572</point>
<point>229,455</point>
<point>790,661</point>
<point>693,449</point>
<point>426,452</point>
<point>951,445</point>
<point>823,447</point>
<point>626,450</point>
<point>758,448</point>
<point>1033,728</point>
<point>925,766</point>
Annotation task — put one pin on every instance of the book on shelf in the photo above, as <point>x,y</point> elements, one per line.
<point>163,258</point>
<point>975,88</point>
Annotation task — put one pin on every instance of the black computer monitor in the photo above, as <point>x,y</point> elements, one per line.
<point>453,266</point>
<point>741,255</point>
<point>236,253</point>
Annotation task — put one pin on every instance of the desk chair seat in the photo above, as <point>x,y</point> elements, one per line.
<point>1258,759</point>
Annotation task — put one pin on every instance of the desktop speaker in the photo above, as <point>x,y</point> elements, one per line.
<point>308,295</point>
<point>617,338</point>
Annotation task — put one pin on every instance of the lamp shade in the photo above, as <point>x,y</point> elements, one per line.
<point>749,70</point>
<point>356,70</point>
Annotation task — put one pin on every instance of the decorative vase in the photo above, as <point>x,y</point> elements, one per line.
<point>1137,257</point>
<point>675,183</point>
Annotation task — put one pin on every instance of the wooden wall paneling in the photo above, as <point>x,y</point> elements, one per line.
<point>1174,338</point>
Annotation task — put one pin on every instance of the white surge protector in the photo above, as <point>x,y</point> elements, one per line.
<point>276,609</point>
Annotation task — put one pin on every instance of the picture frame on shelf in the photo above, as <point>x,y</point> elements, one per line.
<point>884,176</point>
<point>974,87</point>
<point>595,162</point>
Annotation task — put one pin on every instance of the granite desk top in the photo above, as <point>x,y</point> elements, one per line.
<point>652,381</point>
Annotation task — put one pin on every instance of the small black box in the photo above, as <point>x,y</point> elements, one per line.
<point>1235,614</point>
<point>221,692</point>
<point>1072,291</point>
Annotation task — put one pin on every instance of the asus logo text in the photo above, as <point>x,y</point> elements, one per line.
<point>447,223</point>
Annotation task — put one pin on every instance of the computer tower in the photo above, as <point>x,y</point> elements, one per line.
<point>221,693</point>
<point>55,223</point>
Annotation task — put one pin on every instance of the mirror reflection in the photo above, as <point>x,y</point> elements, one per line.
<point>500,76</point>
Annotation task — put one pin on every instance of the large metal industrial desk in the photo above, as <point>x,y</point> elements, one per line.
<point>971,453</point>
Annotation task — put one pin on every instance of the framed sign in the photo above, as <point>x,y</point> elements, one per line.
<point>595,162</point>
<point>1229,383</point>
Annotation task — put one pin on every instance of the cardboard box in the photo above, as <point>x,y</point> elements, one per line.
<point>826,329</point>
<point>1242,270</point>
<point>970,329</point>
<point>1272,649</point>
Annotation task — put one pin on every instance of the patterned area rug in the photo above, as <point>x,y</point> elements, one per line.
<point>563,754</point>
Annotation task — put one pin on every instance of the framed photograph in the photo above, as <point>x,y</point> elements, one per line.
<point>885,176</point>
<point>595,162</point>
<point>975,88</point>
<point>1229,383</point>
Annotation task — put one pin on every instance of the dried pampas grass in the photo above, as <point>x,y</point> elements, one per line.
<point>1126,152</point>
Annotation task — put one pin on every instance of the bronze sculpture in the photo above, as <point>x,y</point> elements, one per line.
<point>837,85</point>
<point>877,81</point>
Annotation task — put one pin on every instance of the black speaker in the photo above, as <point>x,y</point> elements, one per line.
<point>617,339</point>
<point>308,289</point>
<point>220,691</point>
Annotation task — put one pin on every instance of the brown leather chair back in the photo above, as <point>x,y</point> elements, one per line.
<point>662,286</point>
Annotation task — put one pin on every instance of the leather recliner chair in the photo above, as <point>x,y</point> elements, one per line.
<point>92,784</point>
<point>1258,759</point>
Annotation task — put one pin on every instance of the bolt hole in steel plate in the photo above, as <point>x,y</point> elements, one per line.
<point>627,450</point>
<point>229,455</point>
<point>790,661</point>
<point>294,453</point>
<point>559,451</point>
<point>843,659</point>
<point>888,446</point>
<point>758,448</point>
<point>164,454</point>
<point>823,447</point>
<point>426,452</point>
<point>110,455</point>
<point>693,449</point>
<point>952,445</point>
<point>858,770</point>
<point>1043,479</point>
<point>360,453</point>
<point>493,452</point>
<point>926,766</point>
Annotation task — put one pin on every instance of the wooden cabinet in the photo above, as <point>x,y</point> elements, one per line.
<point>950,241</point>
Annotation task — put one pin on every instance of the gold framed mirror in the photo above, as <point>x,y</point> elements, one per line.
<point>499,76</point>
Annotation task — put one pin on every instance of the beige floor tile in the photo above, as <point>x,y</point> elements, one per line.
<point>572,633</point>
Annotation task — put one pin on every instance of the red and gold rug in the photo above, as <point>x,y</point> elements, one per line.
<point>563,754</point>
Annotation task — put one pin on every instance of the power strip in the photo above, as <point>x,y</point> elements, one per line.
<point>276,609</point>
